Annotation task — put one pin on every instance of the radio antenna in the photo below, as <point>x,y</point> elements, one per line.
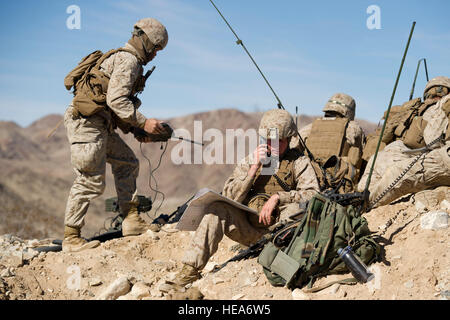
<point>239,42</point>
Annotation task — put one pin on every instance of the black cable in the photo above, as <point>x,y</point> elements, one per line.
<point>151,176</point>
<point>156,183</point>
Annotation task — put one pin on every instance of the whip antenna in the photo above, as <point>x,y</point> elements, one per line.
<point>239,42</point>
<point>280,105</point>
<point>388,110</point>
<point>415,77</point>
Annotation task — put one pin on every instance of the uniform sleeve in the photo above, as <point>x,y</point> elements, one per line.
<point>239,183</point>
<point>355,135</point>
<point>356,139</point>
<point>306,181</point>
<point>125,72</point>
<point>437,120</point>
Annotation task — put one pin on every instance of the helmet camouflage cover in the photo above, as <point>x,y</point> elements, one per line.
<point>343,104</point>
<point>155,31</point>
<point>438,81</point>
<point>277,119</point>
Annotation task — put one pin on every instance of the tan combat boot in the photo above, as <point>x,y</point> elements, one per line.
<point>188,274</point>
<point>74,243</point>
<point>134,225</point>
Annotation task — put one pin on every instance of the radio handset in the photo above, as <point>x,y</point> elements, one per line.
<point>272,135</point>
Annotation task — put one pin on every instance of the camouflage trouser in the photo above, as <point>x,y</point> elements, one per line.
<point>386,158</point>
<point>222,219</point>
<point>432,170</point>
<point>92,144</point>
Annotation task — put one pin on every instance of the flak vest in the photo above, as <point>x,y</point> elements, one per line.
<point>264,186</point>
<point>335,159</point>
<point>328,138</point>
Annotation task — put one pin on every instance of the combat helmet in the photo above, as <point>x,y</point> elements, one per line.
<point>155,31</point>
<point>439,83</point>
<point>342,104</point>
<point>277,119</point>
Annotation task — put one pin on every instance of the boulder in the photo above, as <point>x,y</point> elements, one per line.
<point>298,294</point>
<point>434,220</point>
<point>140,290</point>
<point>118,288</point>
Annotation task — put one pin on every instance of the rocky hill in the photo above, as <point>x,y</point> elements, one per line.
<point>414,264</point>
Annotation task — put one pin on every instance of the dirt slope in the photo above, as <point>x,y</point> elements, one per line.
<point>414,264</point>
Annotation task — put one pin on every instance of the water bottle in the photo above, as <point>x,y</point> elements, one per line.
<point>355,265</point>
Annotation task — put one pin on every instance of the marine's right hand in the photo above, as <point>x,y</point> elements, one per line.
<point>259,155</point>
<point>154,126</point>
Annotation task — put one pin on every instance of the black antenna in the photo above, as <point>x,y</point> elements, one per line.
<point>239,42</point>
<point>415,77</point>
<point>388,110</point>
<point>280,105</point>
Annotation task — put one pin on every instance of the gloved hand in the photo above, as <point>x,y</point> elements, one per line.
<point>164,132</point>
<point>153,126</point>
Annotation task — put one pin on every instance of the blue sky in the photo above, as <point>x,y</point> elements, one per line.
<point>307,49</point>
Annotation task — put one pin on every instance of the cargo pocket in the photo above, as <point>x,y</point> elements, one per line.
<point>89,157</point>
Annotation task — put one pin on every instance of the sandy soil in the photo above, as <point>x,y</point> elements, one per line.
<point>415,264</point>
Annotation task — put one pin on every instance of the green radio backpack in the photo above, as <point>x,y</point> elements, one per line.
<point>312,251</point>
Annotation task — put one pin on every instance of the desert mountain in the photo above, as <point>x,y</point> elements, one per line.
<point>36,171</point>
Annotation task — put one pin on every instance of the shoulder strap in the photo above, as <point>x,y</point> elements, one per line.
<point>113,51</point>
<point>350,281</point>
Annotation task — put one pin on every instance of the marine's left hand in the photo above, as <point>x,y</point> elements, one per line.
<point>265,216</point>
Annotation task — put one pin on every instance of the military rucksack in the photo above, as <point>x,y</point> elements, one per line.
<point>312,251</point>
<point>407,123</point>
<point>90,84</point>
<point>337,174</point>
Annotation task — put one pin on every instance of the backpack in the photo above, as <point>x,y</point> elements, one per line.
<point>407,123</point>
<point>89,83</point>
<point>75,75</point>
<point>336,173</point>
<point>312,251</point>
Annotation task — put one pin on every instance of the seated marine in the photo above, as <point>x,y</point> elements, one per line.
<point>417,127</point>
<point>275,196</point>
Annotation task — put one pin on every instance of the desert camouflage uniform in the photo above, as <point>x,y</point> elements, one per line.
<point>432,170</point>
<point>224,219</point>
<point>94,142</point>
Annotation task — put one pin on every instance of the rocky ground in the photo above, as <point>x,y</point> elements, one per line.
<point>415,264</point>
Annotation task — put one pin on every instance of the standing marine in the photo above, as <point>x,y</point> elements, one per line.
<point>105,88</point>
